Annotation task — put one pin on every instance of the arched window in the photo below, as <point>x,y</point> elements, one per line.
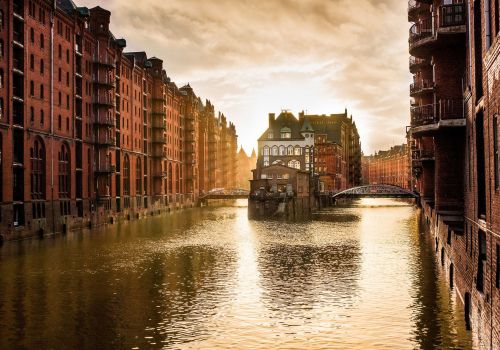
<point>1,78</point>
<point>64,172</point>
<point>126,176</point>
<point>294,164</point>
<point>290,150</point>
<point>138,177</point>
<point>1,48</point>
<point>265,151</point>
<point>42,67</point>
<point>32,35</point>
<point>42,41</point>
<point>282,151</point>
<point>1,19</point>
<point>37,178</point>
<point>298,151</point>
<point>177,180</point>
<point>278,162</point>
<point>274,151</point>
<point>170,178</point>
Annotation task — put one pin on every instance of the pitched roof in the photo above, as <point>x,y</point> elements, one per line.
<point>285,120</point>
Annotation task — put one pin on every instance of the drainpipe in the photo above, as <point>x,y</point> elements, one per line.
<point>54,6</point>
<point>487,23</point>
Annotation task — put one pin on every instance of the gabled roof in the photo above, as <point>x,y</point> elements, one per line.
<point>285,120</point>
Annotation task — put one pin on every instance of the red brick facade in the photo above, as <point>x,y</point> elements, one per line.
<point>391,167</point>
<point>455,135</point>
<point>89,133</point>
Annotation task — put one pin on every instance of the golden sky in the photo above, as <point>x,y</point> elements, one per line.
<point>252,57</point>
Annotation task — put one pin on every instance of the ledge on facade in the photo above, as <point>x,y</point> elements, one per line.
<point>429,129</point>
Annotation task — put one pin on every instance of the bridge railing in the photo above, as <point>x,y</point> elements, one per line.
<point>376,190</point>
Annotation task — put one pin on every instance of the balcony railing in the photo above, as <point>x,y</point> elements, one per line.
<point>421,85</point>
<point>103,80</point>
<point>159,153</point>
<point>159,124</point>
<point>105,168</point>
<point>415,62</point>
<point>104,100</point>
<point>451,109</point>
<point>421,30</point>
<point>422,154</point>
<point>452,15</point>
<point>104,120</point>
<point>414,7</point>
<point>105,140</point>
<point>433,113</point>
<point>423,115</point>
<point>104,61</point>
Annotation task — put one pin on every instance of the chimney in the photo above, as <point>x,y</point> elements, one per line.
<point>301,116</point>
<point>271,118</point>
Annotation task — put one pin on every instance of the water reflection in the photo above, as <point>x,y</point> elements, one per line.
<point>357,277</point>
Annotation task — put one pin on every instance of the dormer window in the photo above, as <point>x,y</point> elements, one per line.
<point>270,135</point>
<point>286,133</point>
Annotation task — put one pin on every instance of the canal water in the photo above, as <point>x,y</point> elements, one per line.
<point>359,277</point>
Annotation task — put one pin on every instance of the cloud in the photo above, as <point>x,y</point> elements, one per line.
<point>252,57</point>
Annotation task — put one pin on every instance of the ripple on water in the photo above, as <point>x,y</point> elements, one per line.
<point>358,277</point>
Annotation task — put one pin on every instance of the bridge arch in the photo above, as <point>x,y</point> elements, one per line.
<point>379,190</point>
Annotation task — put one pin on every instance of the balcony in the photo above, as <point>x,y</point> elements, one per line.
<point>447,27</point>
<point>159,153</point>
<point>158,113</point>
<point>104,101</point>
<point>417,64</point>
<point>420,33</point>
<point>104,140</point>
<point>416,8</point>
<point>104,120</point>
<point>430,118</point>
<point>159,124</point>
<point>104,80</point>
<point>105,61</point>
<point>160,174</point>
<point>421,155</point>
<point>105,168</point>
<point>421,86</point>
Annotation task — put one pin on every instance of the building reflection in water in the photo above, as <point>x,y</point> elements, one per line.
<point>211,279</point>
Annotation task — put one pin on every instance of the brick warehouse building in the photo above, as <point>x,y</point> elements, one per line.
<point>390,167</point>
<point>327,146</point>
<point>89,133</point>
<point>454,126</point>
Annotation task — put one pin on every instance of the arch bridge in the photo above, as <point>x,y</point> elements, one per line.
<point>379,190</point>
<point>222,194</point>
